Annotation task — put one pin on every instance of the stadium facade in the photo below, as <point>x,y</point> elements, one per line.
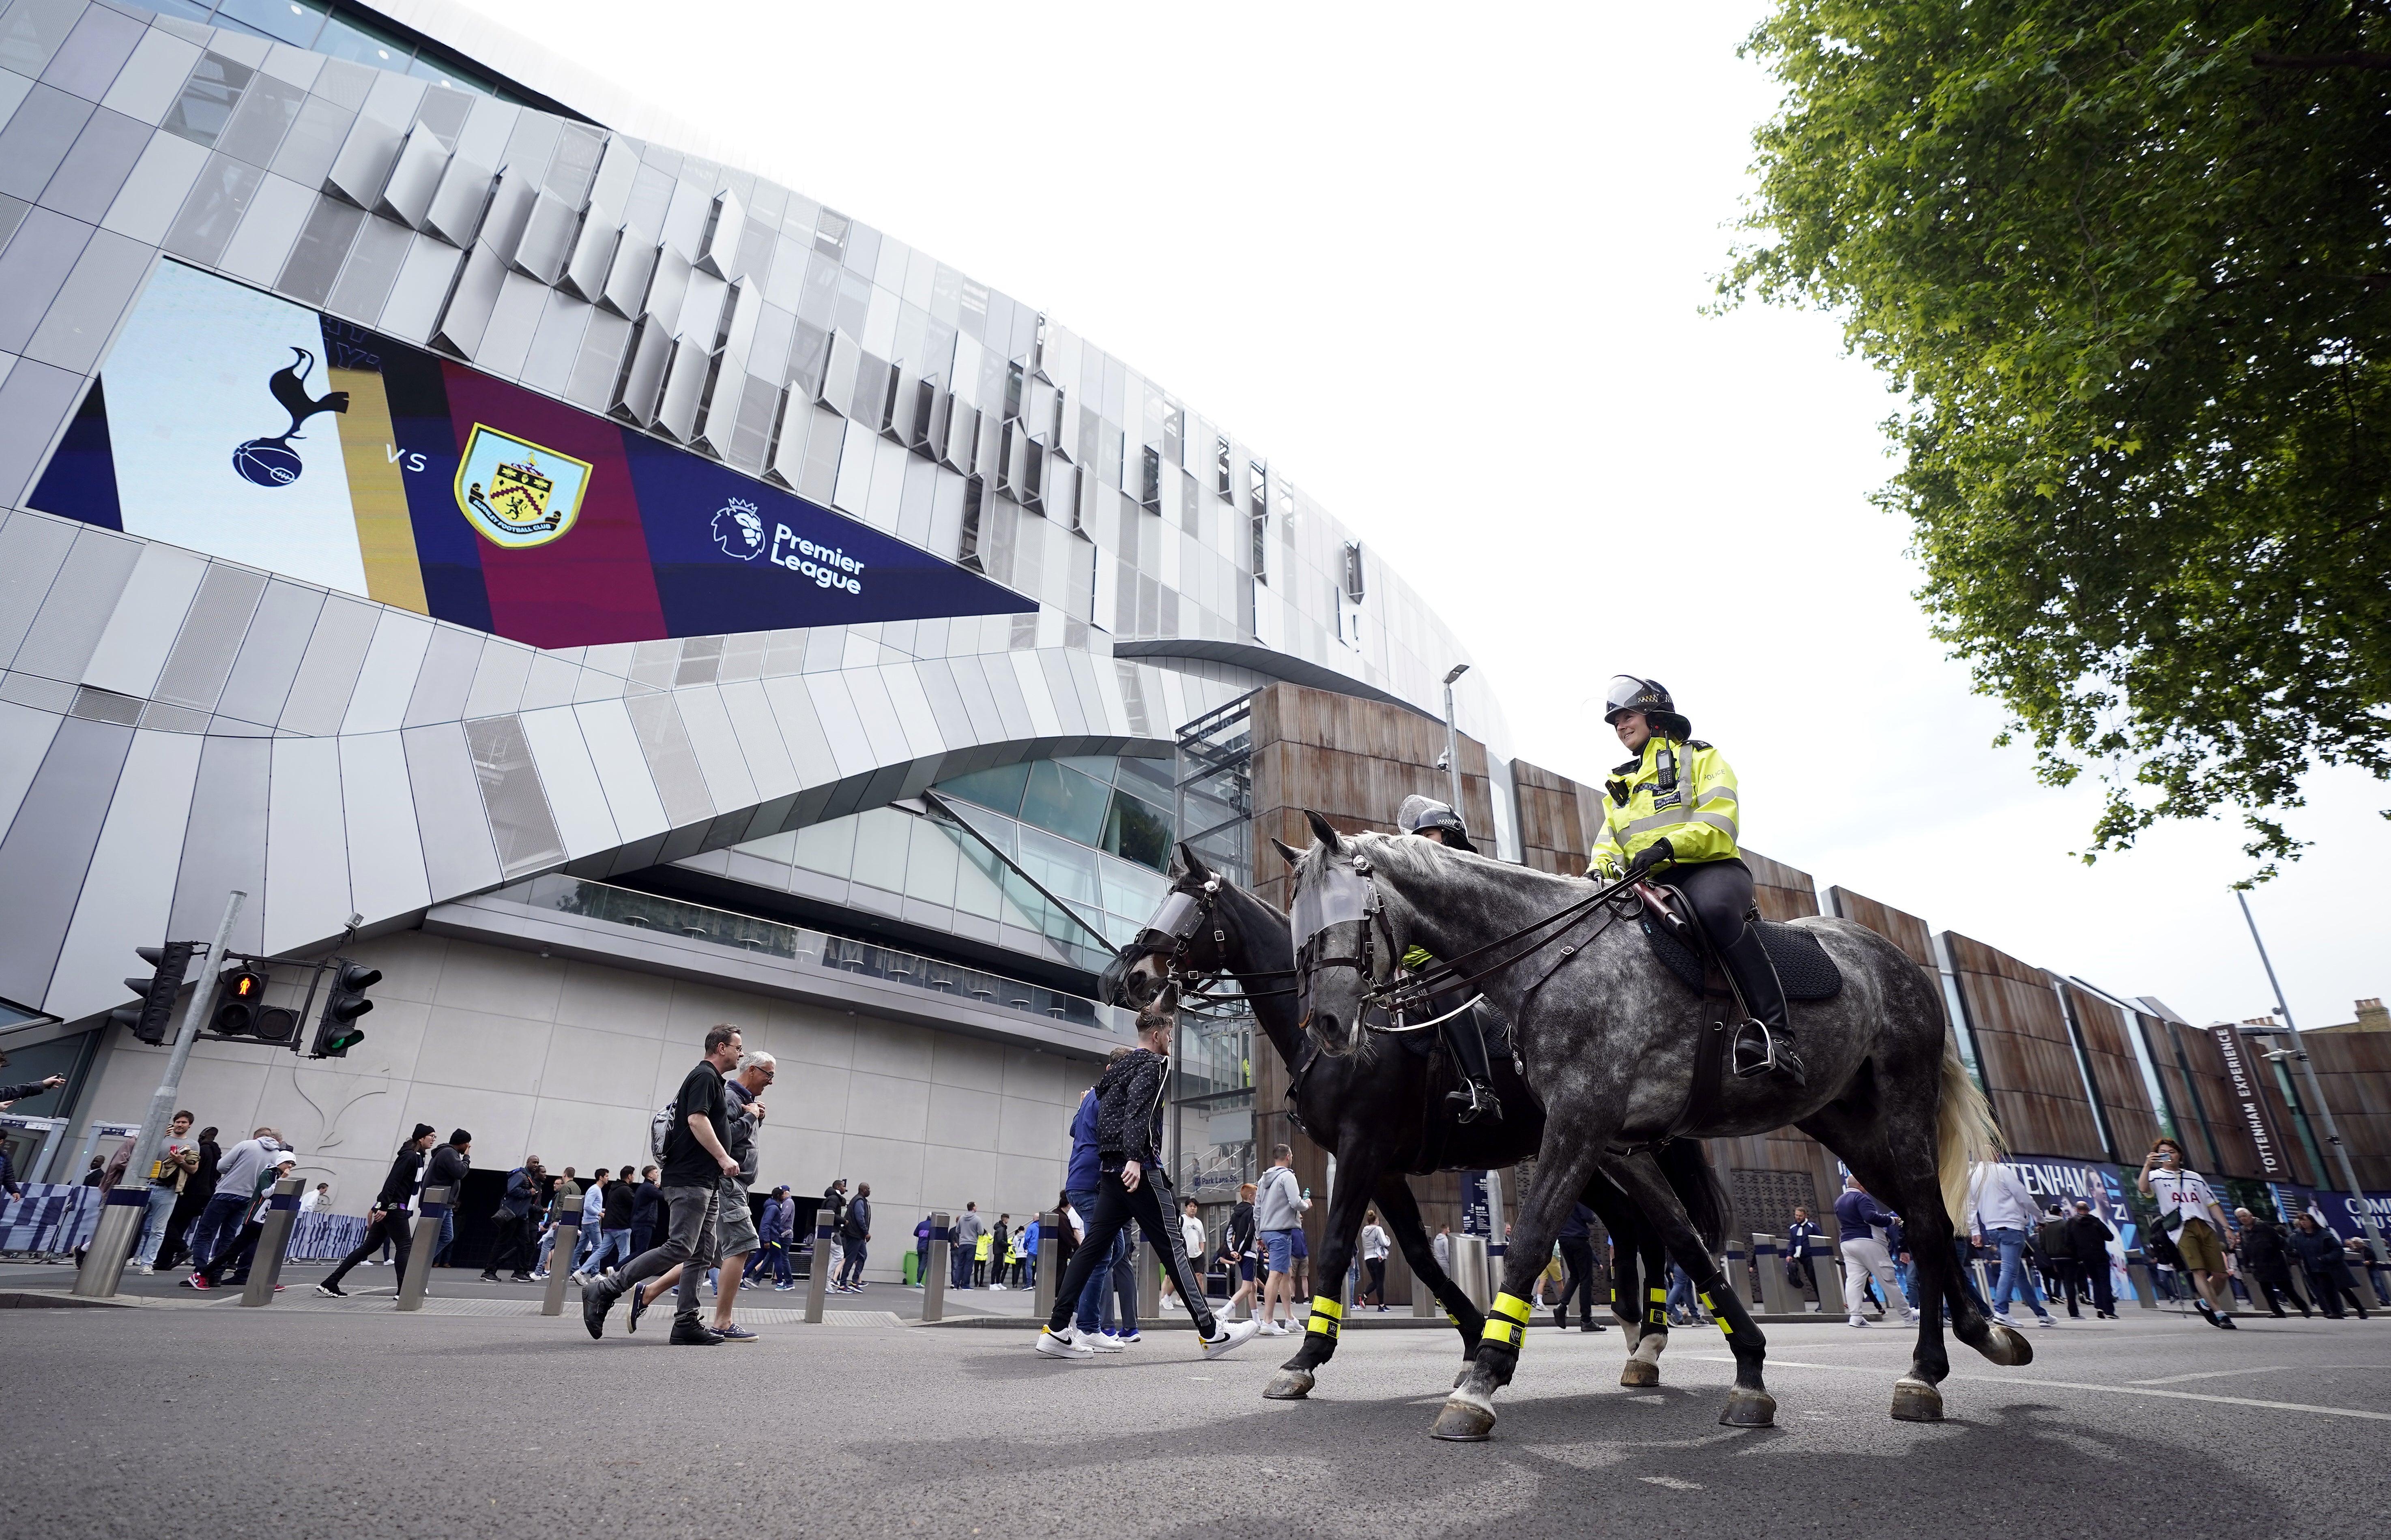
<point>611,593</point>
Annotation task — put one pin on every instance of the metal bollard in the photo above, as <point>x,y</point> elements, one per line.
<point>1739,1272</point>
<point>818,1274</point>
<point>118,1232</point>
<point>426,1240</point>
<point>1776,1291</point>
<point>1050,1246</point>
<point>2146,1292</point>
<point>1827,1262</point>
<point>273,1240</point>
<point>1423,1300</point>
<point>934,1282</point>
<point>567,1241</point>
<point>1469,1269</point>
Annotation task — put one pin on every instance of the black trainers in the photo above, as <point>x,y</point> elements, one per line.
<point>331,1290</point>
<point>595,1302</point>
<point>688,1331</point>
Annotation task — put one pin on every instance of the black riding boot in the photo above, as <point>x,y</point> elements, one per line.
<point>1466,1037</point>
<point>1766,1042</point>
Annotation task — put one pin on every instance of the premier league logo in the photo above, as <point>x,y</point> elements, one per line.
<point>739,530</point>
<point>272,462</point>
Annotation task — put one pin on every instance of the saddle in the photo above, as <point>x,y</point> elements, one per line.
<point>1674,932</point>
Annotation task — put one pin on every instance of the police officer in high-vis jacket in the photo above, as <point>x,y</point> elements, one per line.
<point>1674,806</point>
<point>1464,1033</point>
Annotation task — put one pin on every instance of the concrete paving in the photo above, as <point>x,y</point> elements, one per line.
<point>346,1419</point>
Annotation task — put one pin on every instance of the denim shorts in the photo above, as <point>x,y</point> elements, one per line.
<point>1279,1246</point>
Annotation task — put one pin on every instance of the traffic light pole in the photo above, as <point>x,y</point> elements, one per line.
<point>128,1201</point>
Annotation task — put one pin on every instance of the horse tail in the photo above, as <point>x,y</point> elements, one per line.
<point>1964,1130</point>
<point>1686,1165</point>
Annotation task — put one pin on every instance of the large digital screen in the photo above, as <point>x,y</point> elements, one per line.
<point>235,423</point>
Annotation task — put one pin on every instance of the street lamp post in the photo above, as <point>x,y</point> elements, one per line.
<point>2316,1092</point>
<point>1452,739</point>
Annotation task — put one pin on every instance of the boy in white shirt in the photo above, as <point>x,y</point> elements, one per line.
<point>2190,1215</point>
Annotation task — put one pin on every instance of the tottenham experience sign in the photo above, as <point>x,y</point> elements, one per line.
<point>235,423</point>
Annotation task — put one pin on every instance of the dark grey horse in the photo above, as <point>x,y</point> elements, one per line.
<point>1381,1110</point>
<point>1610,1037</point>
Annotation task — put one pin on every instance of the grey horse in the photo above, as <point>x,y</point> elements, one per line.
<point>1610,1039</point>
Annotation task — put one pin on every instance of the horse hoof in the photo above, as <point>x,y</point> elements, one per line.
<point>1915,1401</point>
<point>1749,1409</point>
<point>1639,1375</point>
<point>2007,1346</point>
<point>1288,1385</point>
<point>1464,1419</point>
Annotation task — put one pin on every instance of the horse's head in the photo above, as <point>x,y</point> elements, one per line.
<point>1345,935</point>
<point>1182,937</point>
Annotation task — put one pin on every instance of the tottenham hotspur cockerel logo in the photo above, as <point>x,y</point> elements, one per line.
<point>739,530</point>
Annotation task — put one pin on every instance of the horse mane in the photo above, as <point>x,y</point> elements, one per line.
<point>1410,856</point>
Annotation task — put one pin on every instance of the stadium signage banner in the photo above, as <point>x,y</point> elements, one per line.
<point>232,422</point>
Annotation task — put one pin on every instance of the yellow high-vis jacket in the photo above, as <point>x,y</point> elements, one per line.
<point>1696,815</point>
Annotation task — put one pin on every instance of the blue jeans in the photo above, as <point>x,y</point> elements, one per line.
<point>216,1226</point>
<point>153,1226</point>
<point>1091,1317</point>
<point>2016,1279</point>
<point>610,1243</point>
<point>1681,1293</point>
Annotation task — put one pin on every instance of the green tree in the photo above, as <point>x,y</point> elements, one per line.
<point>2129,265</point>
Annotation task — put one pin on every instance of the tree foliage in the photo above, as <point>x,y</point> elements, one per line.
<point>2130,264</point>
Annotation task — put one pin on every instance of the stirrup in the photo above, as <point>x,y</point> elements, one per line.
<point>1758,1051</point>
<point>1473,1101</point>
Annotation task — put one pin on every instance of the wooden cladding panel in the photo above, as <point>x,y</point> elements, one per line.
<point>2026,1054</point>
<point>2210,1109</point>
<point>2354,1072</point>
<point>1553,835</point>
<point>1904,931</point>
<point>2124,1096</point>
<point>1783,893</point>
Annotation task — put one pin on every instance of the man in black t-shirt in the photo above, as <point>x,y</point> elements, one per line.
<point>697,1159</point>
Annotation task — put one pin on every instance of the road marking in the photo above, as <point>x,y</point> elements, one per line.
<point>2079,1385</point>
<point>1674,1483</point>
<point>2209,1374</point>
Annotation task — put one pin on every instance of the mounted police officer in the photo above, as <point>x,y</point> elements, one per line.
<point>1464,1033</point>
<point>1675,804</point>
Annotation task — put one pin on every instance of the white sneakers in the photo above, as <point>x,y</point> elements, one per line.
<point>1062,1344</point>
<point>1232,1336</point>
<point>1859,1320</point>
<point>996,1288</point>
<point>1272,1329</point>
<point>1071,1343</point>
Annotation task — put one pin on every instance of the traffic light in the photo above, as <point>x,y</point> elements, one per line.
<point>240,1011</point>
<point>239,990</point>
<point>336,1030</point>
<point>152,1017</point>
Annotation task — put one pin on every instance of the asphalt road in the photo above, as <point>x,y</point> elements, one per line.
<point>344,1418</point>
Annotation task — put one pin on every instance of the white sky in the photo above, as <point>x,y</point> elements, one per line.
<point>1444,271</point>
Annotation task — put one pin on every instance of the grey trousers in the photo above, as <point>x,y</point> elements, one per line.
<point>690,1240</point>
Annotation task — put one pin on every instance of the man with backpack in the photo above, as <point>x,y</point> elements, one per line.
<point>692,1126</point>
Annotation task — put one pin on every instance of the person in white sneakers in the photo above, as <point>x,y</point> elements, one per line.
<point>1132,1185</point>
<point>2002,1212</point>
<point>1279,1203</point>
<point>1860,1218</point>
<point>1191,1229</point>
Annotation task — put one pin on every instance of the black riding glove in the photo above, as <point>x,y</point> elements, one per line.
<point>1651,856</point>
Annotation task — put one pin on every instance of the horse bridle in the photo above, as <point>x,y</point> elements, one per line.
<point>1398,996</point>
<point>1194,912</point>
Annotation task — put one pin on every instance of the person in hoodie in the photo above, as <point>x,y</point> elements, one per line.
<point>1131,1185</point>
<point>388,1219</point>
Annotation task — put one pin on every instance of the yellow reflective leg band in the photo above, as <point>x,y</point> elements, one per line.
<point>1326,1314</point>
<point>1323,1305</point>
<point>1659,1296</point>
<point>1506,1321</point>
<point>1717,1314</point>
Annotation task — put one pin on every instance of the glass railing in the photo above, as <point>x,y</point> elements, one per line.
<point>677,916</point>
